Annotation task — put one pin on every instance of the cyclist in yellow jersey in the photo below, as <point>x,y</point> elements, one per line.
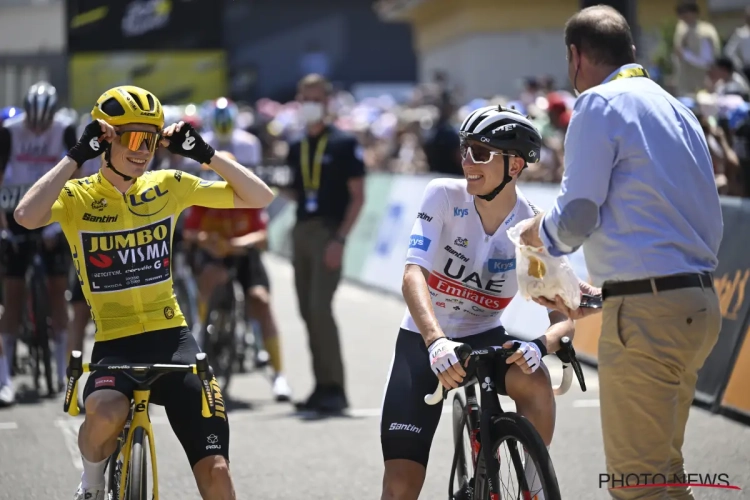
<point>119,224</point>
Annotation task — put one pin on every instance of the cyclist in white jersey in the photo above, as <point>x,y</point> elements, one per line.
<point>31,144</point>
<point>223,135</point>
<point>460,275</point>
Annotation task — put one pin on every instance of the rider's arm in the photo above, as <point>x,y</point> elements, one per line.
<point>423,247</point>
<point>44,201</point>
<point>417,298</point>
<point>249,190</point>
<point>560,326</point>
<point>258,237</point>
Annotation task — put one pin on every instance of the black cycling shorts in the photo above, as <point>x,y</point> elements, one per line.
<point>249,267</point>
<point>179,393</point>
<point>17,257</point>
<point>408,424</point>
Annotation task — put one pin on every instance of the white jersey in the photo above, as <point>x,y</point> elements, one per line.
<point>472,275</point>
<point>32,155</point>
<point>243,145</point>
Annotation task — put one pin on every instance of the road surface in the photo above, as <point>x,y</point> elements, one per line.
<point>279,455</point>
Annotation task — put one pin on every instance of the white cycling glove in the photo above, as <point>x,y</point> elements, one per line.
<point>442,354</point>
<point>531,353</point>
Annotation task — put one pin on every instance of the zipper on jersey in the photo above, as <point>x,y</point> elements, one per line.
<point>134,292</point>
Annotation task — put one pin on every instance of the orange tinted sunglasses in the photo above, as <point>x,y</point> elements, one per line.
<point>133,140</point>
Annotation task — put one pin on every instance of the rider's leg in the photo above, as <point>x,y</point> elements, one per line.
<point>58,285</point>
<point>14,291</point>
<point>57,263</point>
<point>534,398</point>
<point>212,274</point>
<point>407,424</point>
<point>107,409</point>
<point>213,478</point>
<point>205,440</point>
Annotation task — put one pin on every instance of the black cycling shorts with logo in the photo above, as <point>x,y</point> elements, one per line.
<point>408,424</point>
<point>17,258</point>
<point>179,393</point>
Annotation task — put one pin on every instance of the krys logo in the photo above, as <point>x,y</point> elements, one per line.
<point>731,290</point>
<point>460,212</point>
<point>501,265</point>
<point>119,260</point>
<point>419,242</point>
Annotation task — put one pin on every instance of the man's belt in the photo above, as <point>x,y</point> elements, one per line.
<point>654,285</point>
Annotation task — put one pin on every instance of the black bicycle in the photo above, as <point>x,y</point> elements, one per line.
<point>35,320</point>
<point>475,473</point>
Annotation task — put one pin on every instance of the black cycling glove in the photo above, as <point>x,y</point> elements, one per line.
<point>88,146</point>
<point>189,143</point>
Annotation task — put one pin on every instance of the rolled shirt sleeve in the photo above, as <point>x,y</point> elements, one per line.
<point>590,153</point>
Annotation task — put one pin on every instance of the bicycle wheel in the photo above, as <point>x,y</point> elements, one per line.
<point>220,345</point>
<point>462,470</point>
<point>39,305</point>
<point>114,473</point>
<point>514,430</point>
<point>137,480</point>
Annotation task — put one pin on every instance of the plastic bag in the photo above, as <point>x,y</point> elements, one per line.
<point>541,275</point>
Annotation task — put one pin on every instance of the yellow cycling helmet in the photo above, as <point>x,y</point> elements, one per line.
<point>129,104</point>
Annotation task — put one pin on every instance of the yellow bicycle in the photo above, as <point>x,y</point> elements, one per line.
<point>130,459</point>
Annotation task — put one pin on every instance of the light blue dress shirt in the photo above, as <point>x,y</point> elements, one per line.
<point>638,190</point>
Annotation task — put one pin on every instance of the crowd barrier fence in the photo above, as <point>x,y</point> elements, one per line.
<point>377,246</point>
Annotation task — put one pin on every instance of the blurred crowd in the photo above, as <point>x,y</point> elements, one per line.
<point>418,133</point>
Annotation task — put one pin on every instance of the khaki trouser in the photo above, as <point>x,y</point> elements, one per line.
<point>650,351</point>
<point>315,285</point>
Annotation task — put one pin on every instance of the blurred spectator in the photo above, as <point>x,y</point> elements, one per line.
<point>442,144</point>
<point>328,186</point>
<point>530,92</point>
<point>696,45</point>
<point>738,46</point>
<point>726,80</point>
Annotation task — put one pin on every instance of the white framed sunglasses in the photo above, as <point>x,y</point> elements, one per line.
<point>479,154</point>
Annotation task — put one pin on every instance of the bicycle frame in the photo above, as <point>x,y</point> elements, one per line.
<point>211,401</point>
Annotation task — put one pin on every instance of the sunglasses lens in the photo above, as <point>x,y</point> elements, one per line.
<point>480,154</point>
<point>133,140</point>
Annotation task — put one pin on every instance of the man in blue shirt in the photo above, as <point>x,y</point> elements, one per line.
<point>639,195</point>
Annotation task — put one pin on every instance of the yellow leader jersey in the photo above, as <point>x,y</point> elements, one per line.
<point>122,245</point>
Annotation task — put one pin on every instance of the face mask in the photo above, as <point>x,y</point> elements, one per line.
<point>311,112</point>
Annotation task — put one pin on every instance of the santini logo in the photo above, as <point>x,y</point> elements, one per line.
<point>457,254</point>
<point>405,427</point>
<point>419,242</point>
<point>424,216</point>
<point>460,212</point>
<point>99,218</point>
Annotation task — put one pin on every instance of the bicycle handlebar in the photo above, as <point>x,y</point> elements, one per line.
<point>566,354</point>
<point>76,368</point>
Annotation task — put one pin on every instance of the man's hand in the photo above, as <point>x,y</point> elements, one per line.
<point>530,235</point>
<point>333,255</point>
<point>90,146</point>
<point>445,364</point>
<point>528,357</point>
<point>559,305</point>
<point>183,140</point>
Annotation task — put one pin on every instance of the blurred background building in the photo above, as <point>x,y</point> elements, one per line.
<point>406,71</point>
